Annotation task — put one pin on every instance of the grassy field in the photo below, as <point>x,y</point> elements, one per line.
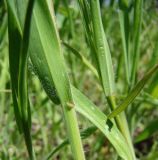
<point>78,79</point>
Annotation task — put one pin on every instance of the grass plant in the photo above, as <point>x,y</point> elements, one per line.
<point>78,73</point>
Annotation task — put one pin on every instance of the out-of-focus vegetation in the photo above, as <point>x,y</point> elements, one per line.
<point>116,70</point>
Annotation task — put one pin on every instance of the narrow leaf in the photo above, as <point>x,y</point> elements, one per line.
<point>20,92</point>
<point>132,95</point>
<point>102,50</point>
<point>138,8</point>
<point>82,58</point>
<point>124,26</point>
<point>23,100</point>
<point>14,54</point>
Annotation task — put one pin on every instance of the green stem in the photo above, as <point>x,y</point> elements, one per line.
<point>73,132</point>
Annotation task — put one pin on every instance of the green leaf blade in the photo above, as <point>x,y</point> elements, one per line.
<point>102,50</point>
<point>85,107</point>
<point>134,92</point>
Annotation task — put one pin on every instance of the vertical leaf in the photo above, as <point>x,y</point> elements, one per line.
<point>136,38</point>
<point>19,72</point>
<point>124,25</point>
<point>14,53</point>
<point>40,60</point>
<point>103,52</point>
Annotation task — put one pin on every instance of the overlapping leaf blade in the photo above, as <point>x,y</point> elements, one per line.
<point>114,135</point>
<point>40,60</point>
<point>47,58</point>
<point>19,71</point>
<point>85,107</point>
<point>14,51</point>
